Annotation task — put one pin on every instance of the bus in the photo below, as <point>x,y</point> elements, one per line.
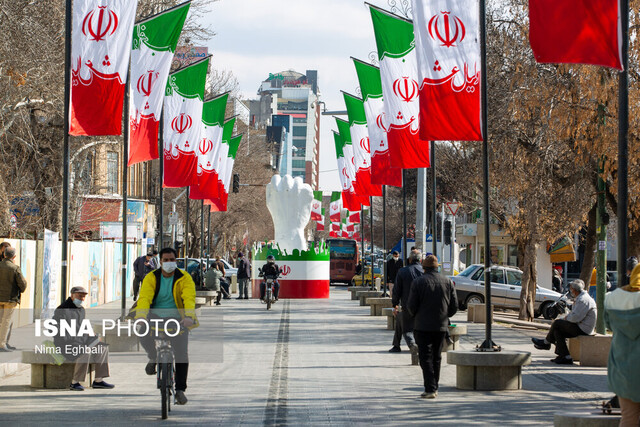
<point>343,259</point>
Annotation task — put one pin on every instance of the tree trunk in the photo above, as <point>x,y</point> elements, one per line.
<point>529,281</point>
<point>634,244</point>
<point>589,248</point>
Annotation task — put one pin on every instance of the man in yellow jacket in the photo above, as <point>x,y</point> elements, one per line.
<point>169,293</point>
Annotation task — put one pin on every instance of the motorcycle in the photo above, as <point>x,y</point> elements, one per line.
<point>269,297</point>
<point>557,308</point>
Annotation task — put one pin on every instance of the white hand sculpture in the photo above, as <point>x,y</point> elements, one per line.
<point>289,201</point>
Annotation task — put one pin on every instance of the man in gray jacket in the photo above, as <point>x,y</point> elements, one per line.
<point>12,285</point>
<point>580,321</point>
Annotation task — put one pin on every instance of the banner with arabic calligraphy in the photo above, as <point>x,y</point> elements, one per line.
<point>101,44</point>
<point>448,46</point>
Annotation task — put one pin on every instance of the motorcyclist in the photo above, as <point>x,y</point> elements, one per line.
<point>270,269</point>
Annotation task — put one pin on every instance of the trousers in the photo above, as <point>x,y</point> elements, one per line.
<point>561,330</point>
<point>430,355</point>
<point>6,314</point>
<point>404,328</point>
<point>180,346</point>
<point>100,360</point>
<point>243,285</point>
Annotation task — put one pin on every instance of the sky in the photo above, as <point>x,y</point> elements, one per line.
<point>257,37</point>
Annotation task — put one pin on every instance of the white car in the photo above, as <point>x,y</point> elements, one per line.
<point>506,284</point>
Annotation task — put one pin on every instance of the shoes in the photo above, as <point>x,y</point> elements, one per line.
<point>5,349</point>
<point>239,298</point>
<point>246,297</point>
<point>150,369</point>
<point>413,348</point>
<point>218,303</point>
<point>76,387</point>
<point>10,347</point>
<point>395,349</point>
<point>562,360</point>
<point>181,399</point>
<point>540,344</point>
<point>276,299</point>
<point>102,384</point>
<point>429,395</point>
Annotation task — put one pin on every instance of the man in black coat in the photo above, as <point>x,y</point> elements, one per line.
<point>81,348</point>
<point>431,302</point>
<point>399,297</point>
<point>393,266</point>
<point>141,267</point>
<point>244,276</point>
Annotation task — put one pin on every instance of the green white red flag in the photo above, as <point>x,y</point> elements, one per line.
<point>213,112</point>
<point>447,36</point>
<point>316,206</point>
<point>335,207</point>
<point>219,204</point>
<point>183,100</point>
<point>361,146</point>
<point>154,42</point>
<point>371,87</point>
<point>399,74</point>
<point>101,44</point>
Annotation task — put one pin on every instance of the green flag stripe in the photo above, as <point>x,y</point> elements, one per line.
<point>161,32</point>
<point>213,110</point>
<point>339,144</point>
<point>335,196</point>
<point>227,130</point>
<point>317,195</point>
<point>369,79</point>
<point>345,132</point>
<point>355,109</point>
<point>189,81</point>
<point>394,35</point>
<point>233,145</point>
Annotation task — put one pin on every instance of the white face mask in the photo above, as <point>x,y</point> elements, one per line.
<point>395,258</point>
<point>77,302</point>
<point>169,267</point>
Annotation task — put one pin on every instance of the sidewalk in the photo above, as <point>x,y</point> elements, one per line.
<point>320,362</point>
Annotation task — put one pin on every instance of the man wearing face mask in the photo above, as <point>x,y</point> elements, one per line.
<point>169,293</point>
<point>393,265</point>
<point>81,349</point>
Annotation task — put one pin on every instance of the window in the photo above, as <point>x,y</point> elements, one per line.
<point>300,120</point>
<point>297,173</point>
<point>497,275</point>
<point>514,278</point>
<point>467,271</point>
<point>300,131</point>
<point>478,274</point>
<point>300,164</point>
<point>112,172</point>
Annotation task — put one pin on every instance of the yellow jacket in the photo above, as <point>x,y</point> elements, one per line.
<point>184,294</point>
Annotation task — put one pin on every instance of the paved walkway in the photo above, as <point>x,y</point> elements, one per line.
<point>319,362</point>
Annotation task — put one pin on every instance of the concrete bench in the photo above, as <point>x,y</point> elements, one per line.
<point>377,304</point>
<point>207,296</point>
<point>477,313</point>
<point>353,290</point>
<point>455,331</point>
<point>500,370</point>
<point>46,374</point>
<point>364,295</point>
<point>590,350</point>
<point>391,319</point>
<point>585,419</point>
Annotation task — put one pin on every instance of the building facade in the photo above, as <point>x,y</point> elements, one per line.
<point>289,93</point>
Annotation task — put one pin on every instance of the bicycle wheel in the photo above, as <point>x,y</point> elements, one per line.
<point>164,388</point>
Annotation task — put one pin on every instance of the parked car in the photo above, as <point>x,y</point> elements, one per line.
<point>506,284</point>
<point>193,264</point>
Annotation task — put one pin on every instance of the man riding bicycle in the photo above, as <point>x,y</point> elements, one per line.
<point>169,293</point>
<point>269,270</point>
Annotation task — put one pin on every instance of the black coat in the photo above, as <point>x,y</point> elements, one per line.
<point>140,269</point>
<point>244,269</point>
<point>402,287</point>
<point>393,267</point>
<point>270,270</point>
<point>68,311</point>
<point>432,301</point>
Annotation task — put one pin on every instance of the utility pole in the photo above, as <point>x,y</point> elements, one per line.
<point>421,210</point>
<point>601,253</point>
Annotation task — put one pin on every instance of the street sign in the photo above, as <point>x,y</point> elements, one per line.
<point>453,207</point>
<point>14,222</point>
<point>173,218</point>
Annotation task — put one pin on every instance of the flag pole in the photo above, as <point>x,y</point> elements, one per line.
<point>373,283</point>
<point>208,237</point>
<point>65,152</point>
<point>488,344</point>
<point>125,195</point>
<point>361,239</point>
<point>161,173</point>
<point>201,241</point>
<point>384,240</point>
<point>186,233</point>
<point>623,140</point>
<point>403,250</point>
<point>434,207</point>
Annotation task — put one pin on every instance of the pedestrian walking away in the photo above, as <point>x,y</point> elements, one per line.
<point>580,321</point>
<point>141,267</point>
<point>79,348</point>
<point>622,316</point>
<point>12,285</point>
<point>399,297</point>
<point>432,302</point>
<point>244,276</point>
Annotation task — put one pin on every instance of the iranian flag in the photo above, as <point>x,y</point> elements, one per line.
<point>154,42</point>
<point>213,112</point>
<point>316,206</point>
<point>576,31</point>
<point>319,226</point>
<point>182,123</point>
<point>101,43</point>
<point>335,207</point>
<point>371,87</point>
<point>219,204</point>
<point>354,216</point>
<point>447,34</point>
<point>343,169</point>
<point>399,74</point>
<point>333,234</point>
<point>335,226</point>
<point>361,146</point>
<point>349,159</point>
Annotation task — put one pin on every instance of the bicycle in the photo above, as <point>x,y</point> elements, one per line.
<point>165,372</point>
